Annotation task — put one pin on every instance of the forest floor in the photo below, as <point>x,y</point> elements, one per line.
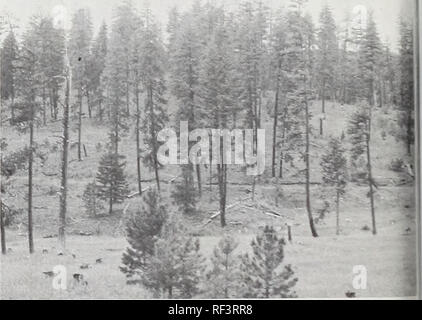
<point>324,265</point>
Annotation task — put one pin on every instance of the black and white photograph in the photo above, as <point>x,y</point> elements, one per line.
<point>209,150</point>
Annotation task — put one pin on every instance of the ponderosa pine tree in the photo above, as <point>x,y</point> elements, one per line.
<point>173,25</point>
<point>299,65</point>
<point>117,72</point>
<point>2,229</point>
<point>175,270</point>
<point>251,66</point>
<point>406,75</point>
<point>3,146</point>
<point>65,149</point>
<point>79,53</point>
<point>136,81</point>
<point>142,231</point>
<point>28,88</point>
<point>184,194</point>
<point>111,179</point>
<point>92,203</point>
<point>96,66</point>
<point>262,273</point>
<point>126,24</point>
<point>369,58</point>
<point>9,52</point>
<point>290,114</point>
<point>334,173</point>
<point>389,75</point>
<point>152,63</point>
<point>223,280</point>
<point>216,100</point>
<point>347,69</point>
<point>184,66</point>
<point>278,53</point>
<point>360,138</point>
<point>51,43</point>
<point>326,57</point>
<point>307,95</point>
<point>9,166</point>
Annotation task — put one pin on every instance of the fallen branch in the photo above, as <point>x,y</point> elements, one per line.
<point>272,214</point>
<point>265,210</point>
<point>130,196</point>
<point>282,183</point>
<point>273,211</point>
<point>149,187</point>
<point>49,174</point>
<point>125,208</point>
<point>217,213</point>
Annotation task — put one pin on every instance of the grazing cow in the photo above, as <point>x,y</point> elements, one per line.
<point>79,279</point>
<point>49,274</point>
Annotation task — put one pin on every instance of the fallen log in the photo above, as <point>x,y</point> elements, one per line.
<point>266,210</point>
<point>49,174</point>
<point>283,183</point>
<point>149,187</point>
<point>217,213</point>
<point>273,211</point>
<point>125,208</point>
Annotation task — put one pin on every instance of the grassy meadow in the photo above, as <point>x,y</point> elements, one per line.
<point>323,265</point>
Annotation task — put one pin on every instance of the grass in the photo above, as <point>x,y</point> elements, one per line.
<point>323,265</point>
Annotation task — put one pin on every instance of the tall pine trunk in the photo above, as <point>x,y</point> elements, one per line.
<point>55,101</point>
<point>88,101</point>
<point>153,137</point>
<point>283,142</point>
<point>110,204</point>
<point>321,120</point>
<point>337,212</point>
<point>198,177</point>
<point>280,174</point>
<point>138,143</point>
<point>210,177</point>
<point>80,125</point>
<point>65,152</point>
<point>44,109</point>
<point>127,95</point>
<point>370,179</point>
<point>12,107</point>
<point>2,230</point>
<point>222,193</point>
<point>409,131</point>
<point>100,110</point>
<point>277,92</point>
<point>116,133</point>
<point>308,191</point>
<point>30,172</point>
<point>222,175</point>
